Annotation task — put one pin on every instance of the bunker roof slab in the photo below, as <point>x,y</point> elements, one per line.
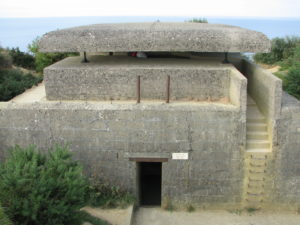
<point>155,37</point>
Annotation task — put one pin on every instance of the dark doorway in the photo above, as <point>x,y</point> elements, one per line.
<point>150,183</point>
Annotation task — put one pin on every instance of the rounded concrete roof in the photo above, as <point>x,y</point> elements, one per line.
<point>157,36</point>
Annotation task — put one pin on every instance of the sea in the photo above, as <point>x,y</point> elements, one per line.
<point>19,32</point>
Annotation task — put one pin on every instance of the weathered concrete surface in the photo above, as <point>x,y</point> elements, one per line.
<point>156,216</point>
<point>287,163</point>
<point>170,37</point>
<point>115,78</point>
<point>266,91</point>
<point>103,135</point>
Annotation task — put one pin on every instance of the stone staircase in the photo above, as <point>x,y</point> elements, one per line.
<point>257,158</point>
<point>257,129</point>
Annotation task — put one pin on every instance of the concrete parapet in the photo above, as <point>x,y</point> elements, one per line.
<point>115,78</point>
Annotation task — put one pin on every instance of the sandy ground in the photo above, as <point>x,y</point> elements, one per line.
<point>274,69</point>
<point>113,216</point>
<point>34,94</point>
<point>157,216</point>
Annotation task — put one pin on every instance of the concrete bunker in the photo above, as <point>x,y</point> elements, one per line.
<point>205,131</point>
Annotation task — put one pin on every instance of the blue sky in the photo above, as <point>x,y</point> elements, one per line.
<point>195,8</point>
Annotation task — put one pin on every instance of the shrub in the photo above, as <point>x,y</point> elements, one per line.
<point>14,82</point>
<point>292,59</point>
<point>104,195</point>
<point>5,59</point>
<point>43,60</point>
<point>281,49</point>
<point>40,188</point>
<point>3,218</point>
<point>22,59</point>
<point>292,81</point>
<point>190,208</point>
<point>197,20</point>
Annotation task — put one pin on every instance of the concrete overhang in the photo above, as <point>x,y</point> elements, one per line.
<point>155,37</point>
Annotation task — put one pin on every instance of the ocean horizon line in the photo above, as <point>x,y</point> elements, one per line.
<point>207,17</point>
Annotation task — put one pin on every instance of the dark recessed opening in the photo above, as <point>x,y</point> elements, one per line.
<point>150,183</point>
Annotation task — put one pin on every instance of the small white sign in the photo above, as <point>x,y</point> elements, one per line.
<point>180,156</point>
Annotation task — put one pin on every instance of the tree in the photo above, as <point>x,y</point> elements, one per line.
<point>292,81</point>
<point>43,60</point>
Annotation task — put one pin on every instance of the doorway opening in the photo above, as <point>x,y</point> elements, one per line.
<point>150,183</point>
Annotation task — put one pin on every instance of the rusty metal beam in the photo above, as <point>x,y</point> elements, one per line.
<point>138,89</point>
<point>168,89</point>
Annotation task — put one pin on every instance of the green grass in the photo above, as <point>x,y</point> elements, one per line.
<point>236,211</point>
<point>102,194</point>
<point>168,206</point>
<point>251,209</point>
<point>190,208</point>
<point>280,74</point>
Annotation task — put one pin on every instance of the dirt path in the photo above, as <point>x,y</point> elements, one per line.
<point>157,216</point>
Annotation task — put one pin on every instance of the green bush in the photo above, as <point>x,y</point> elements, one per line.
<point>104,195</point>
<point>281,49</point>
<point>197,20</point>
<point>43,60</point>
<point>14,82</point>
<point>37,188</point>
<point>3,218</point>
<point>292,81</point>
<point>292,59</point>
<point>21,59</point>
<point>5,59</point>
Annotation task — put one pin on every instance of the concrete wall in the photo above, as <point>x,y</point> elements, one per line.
<point>287,162</point>
<point>266,91</point>
<point>103,136</point>
<point>115,78</point>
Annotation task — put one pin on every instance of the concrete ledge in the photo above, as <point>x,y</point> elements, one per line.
<point>170,37</point>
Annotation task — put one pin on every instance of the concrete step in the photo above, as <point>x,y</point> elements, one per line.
<point>257,144</point>
<point>258,150</point>
<point>255,194</point>
<point>257,170</point>
<point>256,176</point>
<point>257,164</point>
<point>250,100</point>
<point>256,120</point>
<point>256,180</point>
<point>255,185</point>
<point>257,135</point>
<point>256,127</point>
<point>254,199</point>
